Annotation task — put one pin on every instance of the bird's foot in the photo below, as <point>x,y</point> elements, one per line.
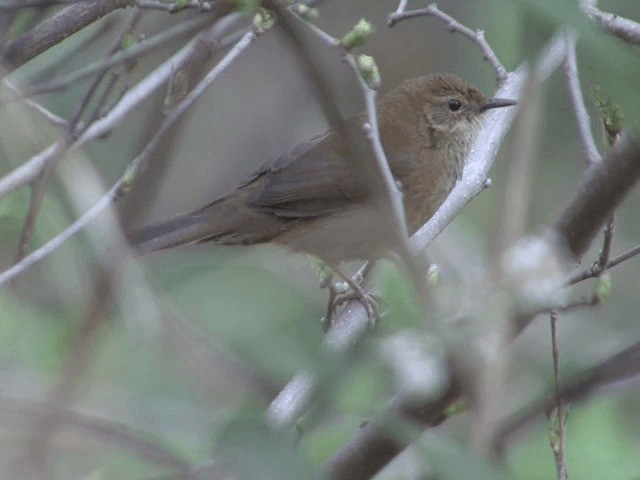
<point>371,302</point>
<point>349,289</point>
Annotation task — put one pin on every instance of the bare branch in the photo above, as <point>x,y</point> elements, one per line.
<point>621,366</point>
<point>453,26</point>
<point>56,28</point>
<point>51,117</point>
<point>621,27</point>
<point>124,183</point>
<point>557,422</point>
<point>29,170</point>
<point>39,186</point>
<point>591,152</point>
<point>130,53</point>
<point>591,271</point>
<point>602,189</point>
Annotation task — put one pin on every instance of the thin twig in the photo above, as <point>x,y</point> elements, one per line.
<point>591,152</point>
<point>51,117</point>
<point>39,186</point>
<point>557,431</point>
<point>591,272</point>
<point>138,164</point>
<point>453,26</point>
<point>29,170</point>
<point>66,80</point>
<point>621,366</point>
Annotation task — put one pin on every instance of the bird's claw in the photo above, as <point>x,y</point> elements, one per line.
<point>371,302</point>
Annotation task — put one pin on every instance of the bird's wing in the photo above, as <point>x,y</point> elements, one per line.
<point>312,179</point>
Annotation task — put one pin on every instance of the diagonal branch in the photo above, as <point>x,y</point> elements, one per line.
<point>618,26</point>
<point>56,28</point>
<point>122,186</point>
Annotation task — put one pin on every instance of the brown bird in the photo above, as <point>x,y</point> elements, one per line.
<point>314,198</point>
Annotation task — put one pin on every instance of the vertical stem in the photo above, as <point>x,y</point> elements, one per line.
<point>558,435</point>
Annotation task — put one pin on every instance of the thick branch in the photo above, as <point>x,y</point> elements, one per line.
<point>601,190</point>
<point>56,28</point>
<point>621,27</point>
<point>379,441</point>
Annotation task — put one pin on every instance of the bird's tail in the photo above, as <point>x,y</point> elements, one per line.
<point>179,230</point>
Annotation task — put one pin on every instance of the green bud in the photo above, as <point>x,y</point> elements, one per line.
<point>129,177</point>
<point>306,11</point>
<point>612,115</point>
<point>433,274</point>
<point>369,70</point>
<point>178,88</point>
<point>455,409</point>
<point>603,288</point>
<point>128,41</point>
<point>358,36</point>
<point>264,20</point>
<point>180,4</point>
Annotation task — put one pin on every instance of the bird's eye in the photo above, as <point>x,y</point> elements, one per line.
<point>454,105</point>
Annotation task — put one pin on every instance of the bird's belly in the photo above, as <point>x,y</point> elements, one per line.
<point>359,232</point>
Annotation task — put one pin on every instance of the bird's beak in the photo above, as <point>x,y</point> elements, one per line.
<point>496,103</point>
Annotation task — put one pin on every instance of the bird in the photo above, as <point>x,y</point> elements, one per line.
<point>315,198</point>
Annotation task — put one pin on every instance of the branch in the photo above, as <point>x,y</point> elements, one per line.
<point>589,148</point>
<point>51,117</point>
<point>150,44</point>
<point>621,27</point>
<point>558,419</point>
<point>619,367</point>
<point>55,29</point>
<point>603,187</point>
<point>453,25</point>
<point>124,183</point>
<point>28,171</point>
<point>144,444</point>
<point>592,271</point>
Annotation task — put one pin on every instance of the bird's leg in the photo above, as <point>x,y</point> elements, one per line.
<point>370,302</point>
